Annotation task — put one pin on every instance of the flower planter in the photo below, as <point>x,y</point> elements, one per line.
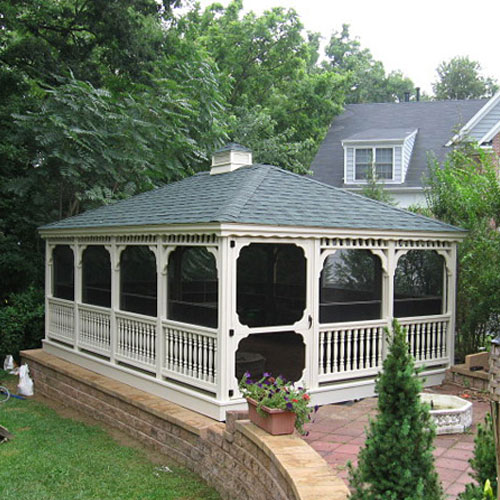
<point>275,421</point>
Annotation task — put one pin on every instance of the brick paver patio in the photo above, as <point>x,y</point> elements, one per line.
<point>337,434</point>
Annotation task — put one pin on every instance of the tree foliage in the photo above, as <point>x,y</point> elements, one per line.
<point>397,461</point>
<point>460,78</point>
<point>102,99</point>
<point>367,79</point>
<point>465,191</point>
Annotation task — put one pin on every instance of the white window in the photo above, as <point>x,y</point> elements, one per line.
<point>378,161</point>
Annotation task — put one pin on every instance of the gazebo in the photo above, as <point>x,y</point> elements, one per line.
<point>179,290</point>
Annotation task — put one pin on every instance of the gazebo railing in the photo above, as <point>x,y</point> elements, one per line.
<point>350,350</point>
<point>136,340</point>
<point>95,326</point>
<point>190,354</point>
<point>356,349</point>
<point>61,324</point>
<point>427,337</point>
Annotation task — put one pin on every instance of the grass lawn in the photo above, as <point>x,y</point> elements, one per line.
<point>58,458</point>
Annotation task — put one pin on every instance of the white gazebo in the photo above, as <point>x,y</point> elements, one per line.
<point>179,290</point>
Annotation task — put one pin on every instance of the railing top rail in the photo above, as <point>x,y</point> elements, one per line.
<point>351,325</point>
<point>424,319</point>
<point>188,327</point>
<point>151,320</point>
<point>61,302</point>
<point>83,306</point>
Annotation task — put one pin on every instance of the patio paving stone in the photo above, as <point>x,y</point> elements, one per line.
<point>338,433</point>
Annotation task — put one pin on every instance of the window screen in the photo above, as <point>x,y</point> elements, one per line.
<point>96,276</point>
<point>350,287</point>
<point>63,272</point>
<point>271,284</point>
<point>138,280</point>
<point>193,287</point>
<point>418,284</point>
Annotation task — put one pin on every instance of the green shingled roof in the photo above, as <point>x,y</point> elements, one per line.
<point>259,194</point>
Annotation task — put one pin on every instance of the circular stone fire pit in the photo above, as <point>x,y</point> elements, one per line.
<point>451,414</point>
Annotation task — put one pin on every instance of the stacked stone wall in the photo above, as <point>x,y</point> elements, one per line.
<point>240,460</point>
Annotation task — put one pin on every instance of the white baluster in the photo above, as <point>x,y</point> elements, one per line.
<point>355,360</point>
<point>213,369</point>
<point>328,345</point>
<point>335,351</point>
<point>321,353</point>
<point>362,360</point>
<point>199,370</point>
<point>205,374</point>
<point>342,335</point>
<point>212,350</point>
<point>348,363</point>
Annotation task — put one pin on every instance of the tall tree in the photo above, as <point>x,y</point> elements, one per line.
<point>279,100</point>
<point>465,191</point>
<point>107,102</point>
<point>460,78</point>
<point>368,81</point>
<point>397,462</point>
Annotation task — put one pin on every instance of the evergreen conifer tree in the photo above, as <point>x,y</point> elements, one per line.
<point>397,461</point>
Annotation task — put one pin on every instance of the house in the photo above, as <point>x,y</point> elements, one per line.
<point>392,141</point>
<point>179,290</point>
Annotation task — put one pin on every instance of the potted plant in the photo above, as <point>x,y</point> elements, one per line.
<point>275,405</point>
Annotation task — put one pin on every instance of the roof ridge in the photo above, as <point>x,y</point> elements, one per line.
<point>236,203</point>
<point>368,200</point>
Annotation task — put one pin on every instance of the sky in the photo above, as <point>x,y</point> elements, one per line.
<point>414,37</point>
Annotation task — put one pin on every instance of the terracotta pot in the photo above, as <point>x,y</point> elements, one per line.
<point>275,421</point>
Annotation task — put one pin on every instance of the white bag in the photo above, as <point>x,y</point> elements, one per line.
<point>25,386</point>
<point>8,363</point>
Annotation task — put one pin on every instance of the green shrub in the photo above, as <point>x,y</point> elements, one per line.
<point>397,461</point>
<point>21,322</point>
<point>483,462</point>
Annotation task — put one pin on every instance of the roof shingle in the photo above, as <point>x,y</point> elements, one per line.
<point>259,194</point>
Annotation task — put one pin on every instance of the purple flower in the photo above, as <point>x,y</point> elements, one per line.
<point>316,408</point>
<point>259,385</point>
<point>289,406</point>
<point>247,375</point>
<point>266,374</point>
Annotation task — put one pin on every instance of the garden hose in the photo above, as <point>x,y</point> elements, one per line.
<point>4,394</point>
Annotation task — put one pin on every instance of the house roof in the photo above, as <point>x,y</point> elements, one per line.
<point>258,194</point>
<point>436,122</point>
<point>381,134</point>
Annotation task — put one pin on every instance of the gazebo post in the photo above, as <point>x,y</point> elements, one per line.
<point>77,253</point>
<point>225,267</point>
<point>388,292</point>
<point>314,282</point>
<point>115,297</point>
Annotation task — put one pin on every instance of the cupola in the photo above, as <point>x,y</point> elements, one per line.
<point>229,158</point>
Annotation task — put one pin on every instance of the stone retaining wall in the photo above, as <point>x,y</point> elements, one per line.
<point>240,460</point>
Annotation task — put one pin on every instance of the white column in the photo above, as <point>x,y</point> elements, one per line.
<point>78,253</point>
<point>115,252</point>
<point>451,273</point>
<point>388,290</point>
<point>314,269</point>
<point>161,304</point>
<point>48,284</point>
<point>225,356</point>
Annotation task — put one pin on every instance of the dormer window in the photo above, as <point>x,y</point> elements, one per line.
<point>383,154</point>
<point>378,161</point>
